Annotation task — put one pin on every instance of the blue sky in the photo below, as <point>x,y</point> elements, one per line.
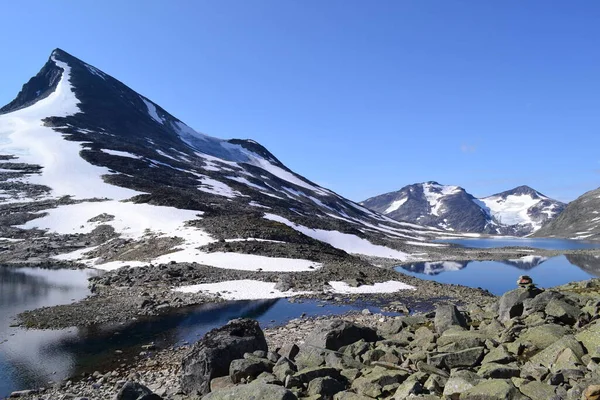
<point>362,97</point>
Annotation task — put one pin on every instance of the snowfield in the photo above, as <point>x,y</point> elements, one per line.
<point>245,289</point>
<point>348,243</point>
<point>380,287</point>
<point>23,134</point>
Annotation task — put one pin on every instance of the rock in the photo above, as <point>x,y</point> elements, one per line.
<point>252,391</point>
<point>491,389</point>
<point>498,371</point>
<point>544,335</point>
<point>22,393</point>
<point>537,390</point>
<point>510,304</point>
<point>350,396</point>
<point>410,386</point>
<point>336,333</point>
<point>539,302</point>
<point>447,316</point>
<point>374,383</point>
<point>308,374</point>
<point>133,391</point>
<point>284,367</point>
<point>498,355</point>
<point>563,311</point>
<point>590,337</point>
<point>592,393</point>
<point>532,371</point>
<point>326,387</point>
<point>210,357</point>
<point>284,283</point>
<point>221,382</point>
<point>455,340</point>
<point>463,358</point>
<point>460,381</point>
<point>248,368</point>
<point>548,356</point>
<point>289,351</point>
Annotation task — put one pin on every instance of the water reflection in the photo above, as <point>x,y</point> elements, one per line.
<point>500,276</point>
<point>539,243</point>
<point>30,358</point>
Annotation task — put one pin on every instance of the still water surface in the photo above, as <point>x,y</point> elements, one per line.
<point>539,243</point>
<point>31,358</point>
<point>500,276</point>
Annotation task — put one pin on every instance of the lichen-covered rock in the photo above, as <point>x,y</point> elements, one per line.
<point>211,356</point>
<point>590,337</point>
<point>463,358</point>
<point>447,316</point>
<point>252,391</point>
<point>492,389</point>
<point>510,304</point>
<point>326,387</point>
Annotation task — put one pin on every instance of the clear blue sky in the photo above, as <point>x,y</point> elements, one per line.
<point>362,97</point>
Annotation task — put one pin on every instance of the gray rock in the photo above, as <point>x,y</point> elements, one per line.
<point>537,390</point>
<point>590,337</point>
<point>498,371</point>
<point>447,316</point>
<point>463,358</point>
<point>407,388</point>
<point>326,387</point>
<point>563,311</point>
<point>510,304</point>
<point>133,391</point>
<point>492,389</point>
<point>548,356</point>
<point>248,368</point>
<point>498,355</point>
<point>460,381</point>
<point>211,356</point>
<point>284,367</point>
<point>252,391</point>
<point>334,334</point>
<point>289,351</point>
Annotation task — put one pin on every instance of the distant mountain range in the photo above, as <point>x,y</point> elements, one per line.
<point>579,220</point>
<point>519,211</point>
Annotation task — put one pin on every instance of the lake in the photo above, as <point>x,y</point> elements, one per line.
<point>501,276</point>
<point>539,243</point>
<point>31,358</point>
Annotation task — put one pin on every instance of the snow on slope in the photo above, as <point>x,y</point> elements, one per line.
<point>348,243</point>
<point>512,210</point>
<point>434,193</point>
<point>22,134</point>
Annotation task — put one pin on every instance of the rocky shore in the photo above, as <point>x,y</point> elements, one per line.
<point>527,344</point>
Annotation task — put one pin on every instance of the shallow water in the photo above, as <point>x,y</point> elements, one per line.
<point>500,276</point>
<point>31,358</point>
<point>539,243</point>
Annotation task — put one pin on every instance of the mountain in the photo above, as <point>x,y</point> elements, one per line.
<point>432,204</point>
<point>579,220</point>
<point>522,208</point>
<point>519,211</point>
<point>93,172</point>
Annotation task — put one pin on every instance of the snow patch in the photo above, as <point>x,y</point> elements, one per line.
<point>343,241</point>
<point>152,111</point>
<point>395,205</point>
<point>245,289</point>
<point>380,287</point>
<point>121,153</point>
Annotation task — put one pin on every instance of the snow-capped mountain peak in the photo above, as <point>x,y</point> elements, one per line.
<point>519,211</point>
<point>85,155</point>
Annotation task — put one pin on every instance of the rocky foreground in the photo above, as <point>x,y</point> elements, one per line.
<point>529,344</point>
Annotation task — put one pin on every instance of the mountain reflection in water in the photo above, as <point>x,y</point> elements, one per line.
<point>500,276</point>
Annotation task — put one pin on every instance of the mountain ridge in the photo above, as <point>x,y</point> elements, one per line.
<point>518,211</point>
<point>86,159</point>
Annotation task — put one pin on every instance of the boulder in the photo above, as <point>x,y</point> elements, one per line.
<point>252,391</point>
<point>326,387</point>
<point>211,356</point>
<point>590,338</point>
<point>510,304</point>
<point>538,390</point>
<point>492,389</point>
<point>448,316</point>
<point>499,371</point>
<point>498,355</point>
<point>548,356</point>
<point>563,311</point>
<point>544,335</point>
<point>135,391</point>
<point>248,368</point>
<point>334,334</point>
<point>350,396</point>
<point>460,381</point>
<point>463,358</point>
